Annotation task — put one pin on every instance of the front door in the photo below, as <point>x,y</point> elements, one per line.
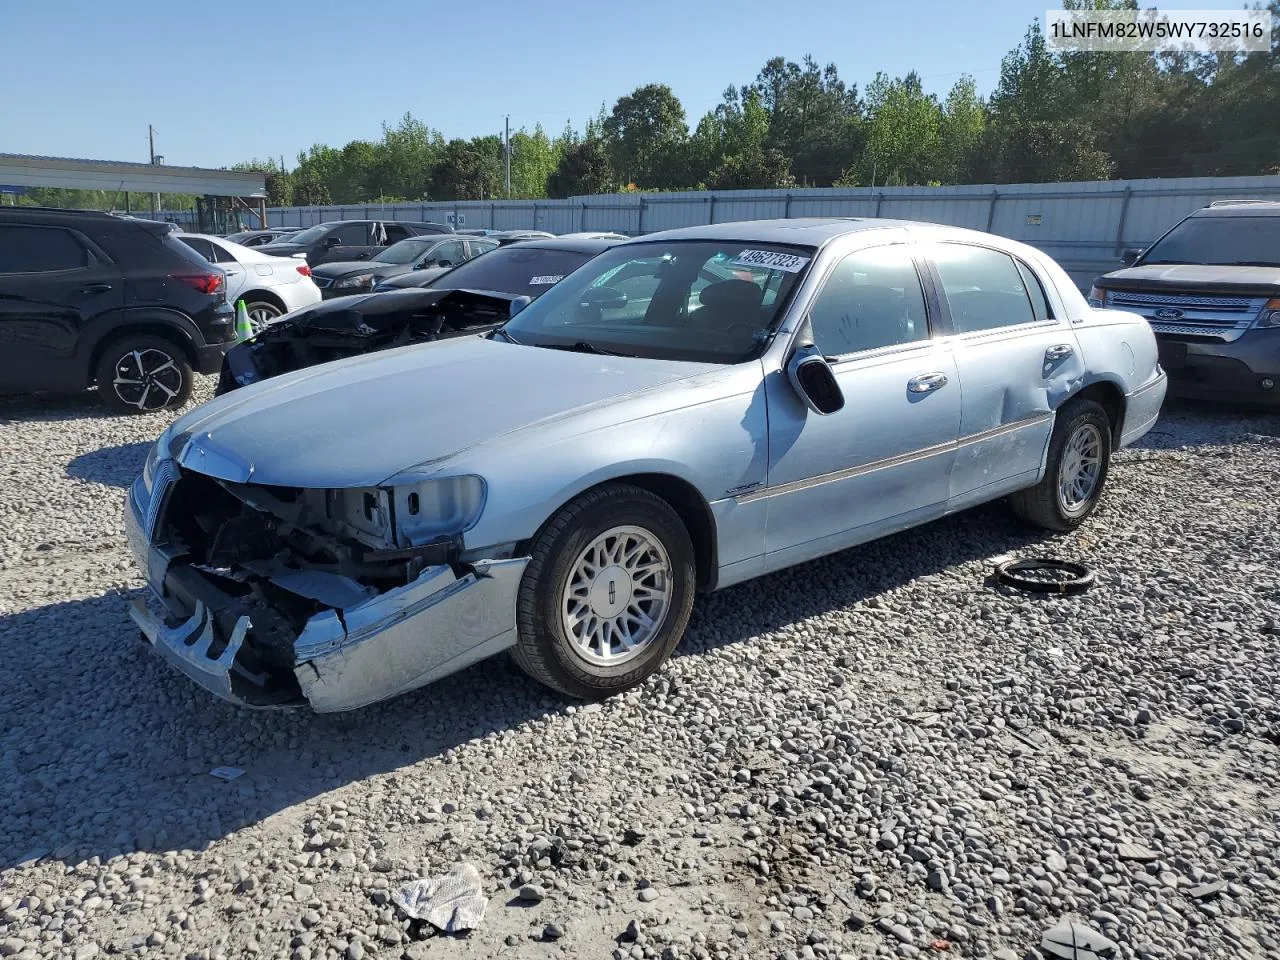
<point>883,460</point>
<point>51,285</point>
<point>1016,361</point>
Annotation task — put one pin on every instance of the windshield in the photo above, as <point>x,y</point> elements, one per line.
<point>406,251</point>
<point>519,271</point>
<point>700,300</point>
<point>1221,241</point>
<point>309,235</point>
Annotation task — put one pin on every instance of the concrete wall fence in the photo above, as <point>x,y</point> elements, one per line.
<point>1085,226</point>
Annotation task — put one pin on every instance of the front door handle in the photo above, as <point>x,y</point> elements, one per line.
<point>1059,351</point>
<point>95,288</point>
<point>927,382</point>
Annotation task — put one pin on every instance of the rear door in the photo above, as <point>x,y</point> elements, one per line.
<point>346,241</point>
<point>53,281</point>
<point>1016,360</point>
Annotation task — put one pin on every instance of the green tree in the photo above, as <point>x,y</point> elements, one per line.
<point>406,157</point>
<point>645,134</point>
<point>534,157</point>
<point>963,124</point>
<point>468,170</point>
<point>904,133</point>
<point>813,117</point>
<point>584,169</point>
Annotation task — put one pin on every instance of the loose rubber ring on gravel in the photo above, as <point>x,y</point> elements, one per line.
<point>1057,576</point>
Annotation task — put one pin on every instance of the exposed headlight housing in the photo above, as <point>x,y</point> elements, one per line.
<point>1097,297</point>
<point>425,509</point>
<point>359,280</point>
<point>159,451</point>
<point>1269,315</point>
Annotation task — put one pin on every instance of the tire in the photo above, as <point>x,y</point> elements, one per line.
<point>164,382</point>
<point>563,609</point>
<point>261,314</point>
<point>1081,426</point>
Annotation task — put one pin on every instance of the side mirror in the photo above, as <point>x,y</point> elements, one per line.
<point>1130,255</point>
<point>332,241</point>
<point>518,304</point>
<point>603,298</point>
<point>812,378</point>
<point>444,263</point>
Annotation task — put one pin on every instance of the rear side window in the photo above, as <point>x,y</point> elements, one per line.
<point>200,246</point>
<point>984,287</point>
<point>40,250</point>
<point>1039,305</point>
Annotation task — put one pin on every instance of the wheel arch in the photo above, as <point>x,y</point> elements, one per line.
<point>262,295</point>
<point>1110,396</point>
<point>682,497</point>
<point>172,328</point>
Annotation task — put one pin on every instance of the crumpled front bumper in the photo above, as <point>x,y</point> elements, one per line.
<point>387,645</point>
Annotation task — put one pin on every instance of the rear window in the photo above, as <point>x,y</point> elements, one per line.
<point>520,271</point>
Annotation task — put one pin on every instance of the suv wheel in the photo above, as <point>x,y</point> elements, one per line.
<point>142,374</point>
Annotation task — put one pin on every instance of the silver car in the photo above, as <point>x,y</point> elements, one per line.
<point>684,412</point>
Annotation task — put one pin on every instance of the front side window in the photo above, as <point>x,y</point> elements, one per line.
<point>696,300</point>
<point>451,250</point>
<point>983,287</point>
<point>872,299</point>
<point>40,250</point>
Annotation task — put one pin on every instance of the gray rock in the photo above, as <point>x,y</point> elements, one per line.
<point>648,895</point>
<point>531,893</point>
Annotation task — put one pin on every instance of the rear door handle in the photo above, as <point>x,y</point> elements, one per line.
<point>1059,351</point>
<point>927,382</point>
<point>95,288</point>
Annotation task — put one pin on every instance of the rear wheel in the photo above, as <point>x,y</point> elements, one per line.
<point>138,373</point>
<point>1076,470</point>
<point>261,314</point>
<point>607,593</point>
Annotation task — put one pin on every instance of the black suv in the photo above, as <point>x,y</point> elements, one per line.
<point>90,298</point>
<point>348,239</point>
<point>1210,288</point>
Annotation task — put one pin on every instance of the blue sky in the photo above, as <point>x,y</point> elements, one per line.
<point>234,79</point>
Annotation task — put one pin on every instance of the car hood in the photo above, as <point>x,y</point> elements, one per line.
<point>1245,281</point>
<point>359,422</point>
<point>342,268</point>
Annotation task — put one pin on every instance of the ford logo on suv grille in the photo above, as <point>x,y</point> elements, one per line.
<point>1168,313</point>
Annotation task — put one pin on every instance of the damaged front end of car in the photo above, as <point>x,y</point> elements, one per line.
<point>273,596</point>
<point>352,326</point>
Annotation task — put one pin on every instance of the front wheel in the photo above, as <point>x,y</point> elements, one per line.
<point>142,374</point>
<point>1075,473</point>
<point>607,593</point>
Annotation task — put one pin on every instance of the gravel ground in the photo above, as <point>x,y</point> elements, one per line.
<point>877,754</point>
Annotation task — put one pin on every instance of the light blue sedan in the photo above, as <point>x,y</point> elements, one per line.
<point>685,412</point>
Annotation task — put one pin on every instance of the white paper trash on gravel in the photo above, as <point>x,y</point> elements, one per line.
<point>453,903</point>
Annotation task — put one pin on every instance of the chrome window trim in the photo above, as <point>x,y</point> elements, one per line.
<point>951,446</point>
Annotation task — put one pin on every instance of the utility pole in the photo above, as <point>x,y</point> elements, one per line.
<point>506,156</point>
<point>155,197</point>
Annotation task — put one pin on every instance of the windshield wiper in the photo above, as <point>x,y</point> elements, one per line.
<point>1172,263</point>
<point>1252,263</point>
<point>583,346</point>
<point>505,336</point>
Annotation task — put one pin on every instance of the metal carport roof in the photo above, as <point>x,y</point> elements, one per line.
<point>18,170</point>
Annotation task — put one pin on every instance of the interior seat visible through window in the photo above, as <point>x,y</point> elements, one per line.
<point>872,299</point>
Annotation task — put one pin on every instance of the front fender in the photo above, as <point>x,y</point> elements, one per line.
<point>717,443</point>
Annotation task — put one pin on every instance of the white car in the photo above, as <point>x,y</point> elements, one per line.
<point>269,286</point>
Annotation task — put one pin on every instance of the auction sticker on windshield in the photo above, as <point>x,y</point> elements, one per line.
<point>768,258</point>
<point>542,281</point>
